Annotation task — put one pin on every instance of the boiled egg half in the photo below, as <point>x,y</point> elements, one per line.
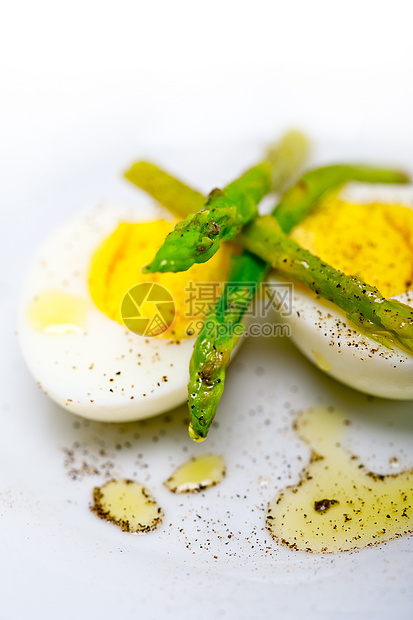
<point>365,230</point>
<point>77,316</point>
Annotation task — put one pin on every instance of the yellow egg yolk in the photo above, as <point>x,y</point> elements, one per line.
<point>372,241</point>
<point>116,268</point>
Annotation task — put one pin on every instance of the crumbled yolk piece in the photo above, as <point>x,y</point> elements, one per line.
<point>116,268</point>
<point>372,241</point>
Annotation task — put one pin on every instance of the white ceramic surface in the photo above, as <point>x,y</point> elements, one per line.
<point>60,560</point>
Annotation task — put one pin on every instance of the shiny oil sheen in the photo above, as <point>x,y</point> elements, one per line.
<point>197,474</point>
<point>338,505</point>
<point>56,312</point>
<point>127,504</point>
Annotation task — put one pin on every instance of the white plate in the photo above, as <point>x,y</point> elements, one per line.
<point>212,557</point>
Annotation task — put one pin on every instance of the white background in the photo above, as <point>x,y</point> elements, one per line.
<point>168,72</point>
<point>86,87</point>
<point>92,85</point>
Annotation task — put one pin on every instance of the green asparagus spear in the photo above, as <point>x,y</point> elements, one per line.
<point>298,201</point>
<point>286,158</point>
<point>198,237</point>
<point>223,334</point>
<point>361,302</point>
<point>180,199</point>
<point>223,327</point>
<point>219,335</point>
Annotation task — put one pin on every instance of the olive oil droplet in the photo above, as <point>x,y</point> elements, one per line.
<point>339,505</point>
<point>321,361</point>
<point>56,312</point>
<point>197,474</point>
<point>128,504</point>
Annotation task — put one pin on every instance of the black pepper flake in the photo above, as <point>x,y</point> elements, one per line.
<point>323,505</point>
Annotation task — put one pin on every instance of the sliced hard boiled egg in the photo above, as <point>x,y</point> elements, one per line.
<point>385,255</point>
<point>78,315</point>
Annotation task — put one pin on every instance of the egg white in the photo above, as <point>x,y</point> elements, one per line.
<point>104,372</point>
<point>323,333</point>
